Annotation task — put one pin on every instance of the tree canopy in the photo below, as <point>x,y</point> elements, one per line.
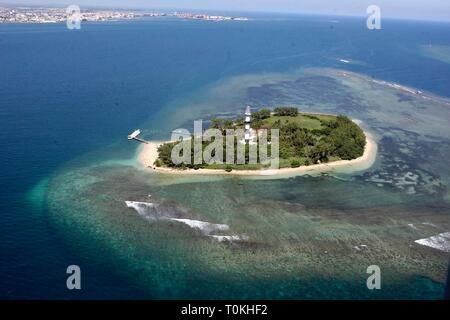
<point>304,138</point>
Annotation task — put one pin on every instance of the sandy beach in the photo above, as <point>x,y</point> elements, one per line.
<point>149,154</point>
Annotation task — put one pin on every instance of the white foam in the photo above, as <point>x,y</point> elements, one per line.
<point>205,227</point>
<point>430,224</point>
<point>137,204</point>
<point>412,226</point>
<point>229,238</point>
<point>360,247</point>
<point>440,242</point>
<point>140,207</point>
<point>149,211</point>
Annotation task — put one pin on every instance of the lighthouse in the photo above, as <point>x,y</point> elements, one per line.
<point>247,122</point>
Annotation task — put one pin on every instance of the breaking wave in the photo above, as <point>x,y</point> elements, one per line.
<point>229,238</point>
<point>205,227</point>
<point>149,211</point>
<point>440,242</point>
<point>155,212</point>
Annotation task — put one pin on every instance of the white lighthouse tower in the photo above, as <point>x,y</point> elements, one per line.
<point>247,123</point>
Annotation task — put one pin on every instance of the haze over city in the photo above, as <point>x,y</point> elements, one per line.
<point>405,9</point>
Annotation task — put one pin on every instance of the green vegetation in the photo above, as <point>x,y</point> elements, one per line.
<point>158,163</point>
<point>307,121</point>
<point>165,152</point>
<point>295,163</point>
<point>286,111</point>
<point>305,139</point>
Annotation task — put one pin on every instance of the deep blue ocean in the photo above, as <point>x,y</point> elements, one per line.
<point>65,93</point>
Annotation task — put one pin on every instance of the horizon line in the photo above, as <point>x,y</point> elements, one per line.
<point>254,11</point>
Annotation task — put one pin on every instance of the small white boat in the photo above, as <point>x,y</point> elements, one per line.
<point>134,134</point>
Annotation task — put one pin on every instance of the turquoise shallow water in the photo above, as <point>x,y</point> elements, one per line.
<point>74,100</point>
<point>304,237</point>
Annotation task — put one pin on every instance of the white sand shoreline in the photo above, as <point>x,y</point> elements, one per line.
<point>149,153</point>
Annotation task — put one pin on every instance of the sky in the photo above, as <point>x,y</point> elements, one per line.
<point>407,9</point>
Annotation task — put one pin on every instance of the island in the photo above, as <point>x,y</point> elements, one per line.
<point>307,141</point>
